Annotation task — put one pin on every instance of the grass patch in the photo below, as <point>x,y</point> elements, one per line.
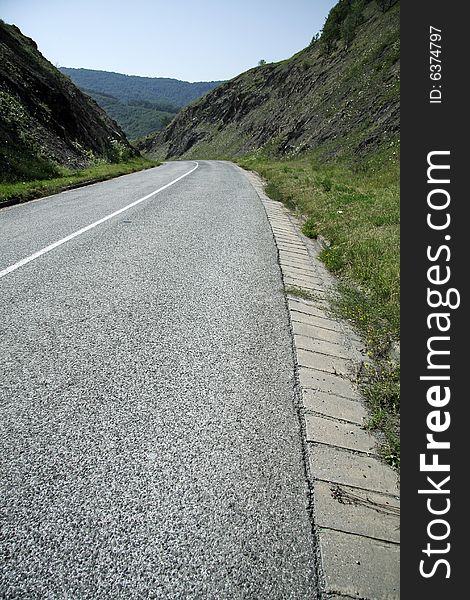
<point>21,191</point>
<point>380,386</point>
<point>310,229</point>
<point>355,206</point>
<point>298,292</point>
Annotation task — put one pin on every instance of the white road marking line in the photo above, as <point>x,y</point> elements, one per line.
<point>39,253</point>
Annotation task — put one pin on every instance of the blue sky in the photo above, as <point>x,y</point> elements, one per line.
<point>195,41</point>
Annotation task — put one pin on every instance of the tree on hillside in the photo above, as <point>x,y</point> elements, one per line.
<point>386,4</point>
<point>341,23</point>
<point>351,21</point>
<point>315,38</point>
<point>261,62</point>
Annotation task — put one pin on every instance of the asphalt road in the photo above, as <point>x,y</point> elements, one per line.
<point>149,441</point>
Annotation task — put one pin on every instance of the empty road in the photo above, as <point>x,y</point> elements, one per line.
<point>149,440</point>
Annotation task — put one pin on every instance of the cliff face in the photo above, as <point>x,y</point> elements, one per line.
<point>340,97</point>
<point>45,120</point>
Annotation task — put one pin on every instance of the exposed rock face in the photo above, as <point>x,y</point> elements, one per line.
<point>344,100</point>
<point>44,118</point>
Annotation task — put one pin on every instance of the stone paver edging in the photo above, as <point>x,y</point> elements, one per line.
<point>355,495</point>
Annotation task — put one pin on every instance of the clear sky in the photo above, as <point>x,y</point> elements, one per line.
<point>195,40</point>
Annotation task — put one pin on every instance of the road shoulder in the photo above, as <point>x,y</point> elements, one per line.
<point>355,495</point>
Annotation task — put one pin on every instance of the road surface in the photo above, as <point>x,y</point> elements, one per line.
<point>149,440</point>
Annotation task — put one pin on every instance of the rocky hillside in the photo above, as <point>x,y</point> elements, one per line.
<point>46,121</point>
<point>340,95</point>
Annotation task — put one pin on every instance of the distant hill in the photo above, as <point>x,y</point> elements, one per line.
<point>136,117</point>
<point>340,95</point>
<point>137,103</point>
<point>45,120</point>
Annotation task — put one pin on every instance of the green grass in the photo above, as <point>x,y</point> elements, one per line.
<point>380,386</point>
<point>21,191</point>
<point>355,206</point>
<point>298,292</point>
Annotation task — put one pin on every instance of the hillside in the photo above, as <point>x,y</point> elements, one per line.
<point>340,95</point>
<point>45,121</point>
<point>158,90</point>
<point>137,118</point>
<point>141,105</point>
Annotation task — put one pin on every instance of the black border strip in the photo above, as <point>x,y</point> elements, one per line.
<point>430,127</point>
